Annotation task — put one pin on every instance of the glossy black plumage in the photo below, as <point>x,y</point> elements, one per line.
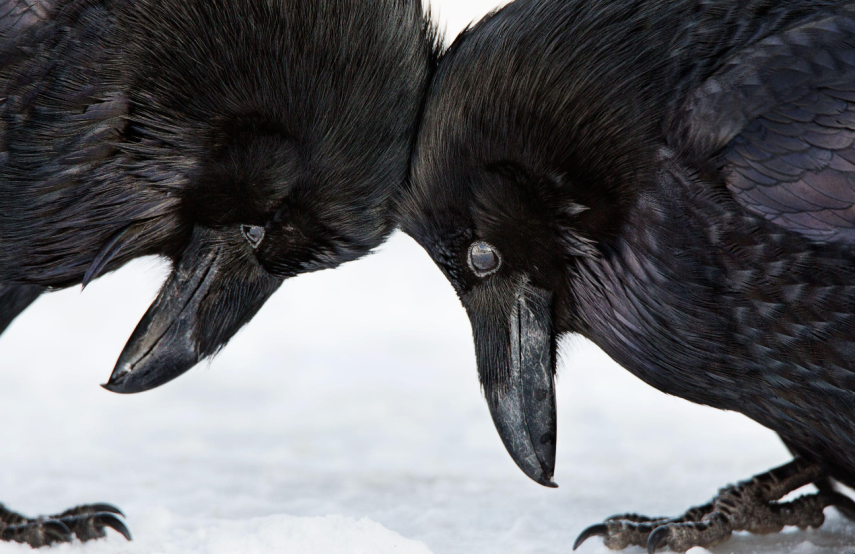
<point>248,141</point>
<point>169,127</point>
<point>679,179</point>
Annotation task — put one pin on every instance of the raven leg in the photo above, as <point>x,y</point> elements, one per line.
<point>86,522</point>
<point>14,299</point>
<point>747,506</point>
<point>826,485</point>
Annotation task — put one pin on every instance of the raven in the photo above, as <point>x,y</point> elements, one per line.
<point>247,141</point>
<point>674,181</point>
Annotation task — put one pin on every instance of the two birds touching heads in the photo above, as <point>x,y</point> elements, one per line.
<point>673,180</point>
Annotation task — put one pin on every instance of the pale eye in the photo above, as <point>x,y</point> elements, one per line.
<point>253,234</point>
<point>484,259</point>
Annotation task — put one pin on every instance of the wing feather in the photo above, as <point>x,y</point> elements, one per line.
<point>17,15</point>
<point>780,119</point>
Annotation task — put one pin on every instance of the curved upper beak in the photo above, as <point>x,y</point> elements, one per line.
<point>519,353</point>
<point>204,302</point>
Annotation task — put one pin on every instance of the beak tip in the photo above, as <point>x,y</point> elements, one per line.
<point>542,478</point>
<point>115,387</point>
<point>120,382</point>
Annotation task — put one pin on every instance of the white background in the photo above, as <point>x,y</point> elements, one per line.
<point>347,417</point>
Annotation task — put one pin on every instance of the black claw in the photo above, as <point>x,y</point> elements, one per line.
<point>656,537</point>
<point>107,519</point>
<point>843,503</point>
<point>58,529</point>
<point>104,507</point>
<point>600,529</point>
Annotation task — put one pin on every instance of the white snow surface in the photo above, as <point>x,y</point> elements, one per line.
<point>347,418</point>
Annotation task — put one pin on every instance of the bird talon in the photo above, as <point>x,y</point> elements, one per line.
<point>108,519</point>
<point>57,529</point>
<point>843,503</point>
<point>656,537</point>
<point>102,507</point>
<point>598,530</point>
<point>90,526</point>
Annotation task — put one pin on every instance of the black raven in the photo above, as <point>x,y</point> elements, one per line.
<point>247,141</point>
<point>676,182</point>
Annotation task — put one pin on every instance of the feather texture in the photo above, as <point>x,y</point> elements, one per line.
<point>712,143</point>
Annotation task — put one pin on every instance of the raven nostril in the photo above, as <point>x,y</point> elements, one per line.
<point>253,234</point>
<point>484,259</point>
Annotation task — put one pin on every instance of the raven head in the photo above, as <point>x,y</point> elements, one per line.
<point>487,230</point>
<point>277,133</point>
<point>523,169</point>
<point>253,216</point>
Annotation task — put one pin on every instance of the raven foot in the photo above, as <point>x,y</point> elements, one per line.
<point>86,522</point>
<point>747,506</point>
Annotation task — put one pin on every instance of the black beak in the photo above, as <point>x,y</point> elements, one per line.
<point>208,297</point>
<point>520,355</point>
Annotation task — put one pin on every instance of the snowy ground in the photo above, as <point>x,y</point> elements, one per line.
<point>346,418</point>
<point>352,395</point>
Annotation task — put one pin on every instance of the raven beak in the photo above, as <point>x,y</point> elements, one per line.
<point>522,402</point>
<point>197,311</point>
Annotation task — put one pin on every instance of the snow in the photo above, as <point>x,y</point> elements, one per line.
<point>347,417</point>
<point>265,535</point>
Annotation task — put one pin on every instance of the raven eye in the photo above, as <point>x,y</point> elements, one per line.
<point>484,259</point>
<point>253,234</point>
